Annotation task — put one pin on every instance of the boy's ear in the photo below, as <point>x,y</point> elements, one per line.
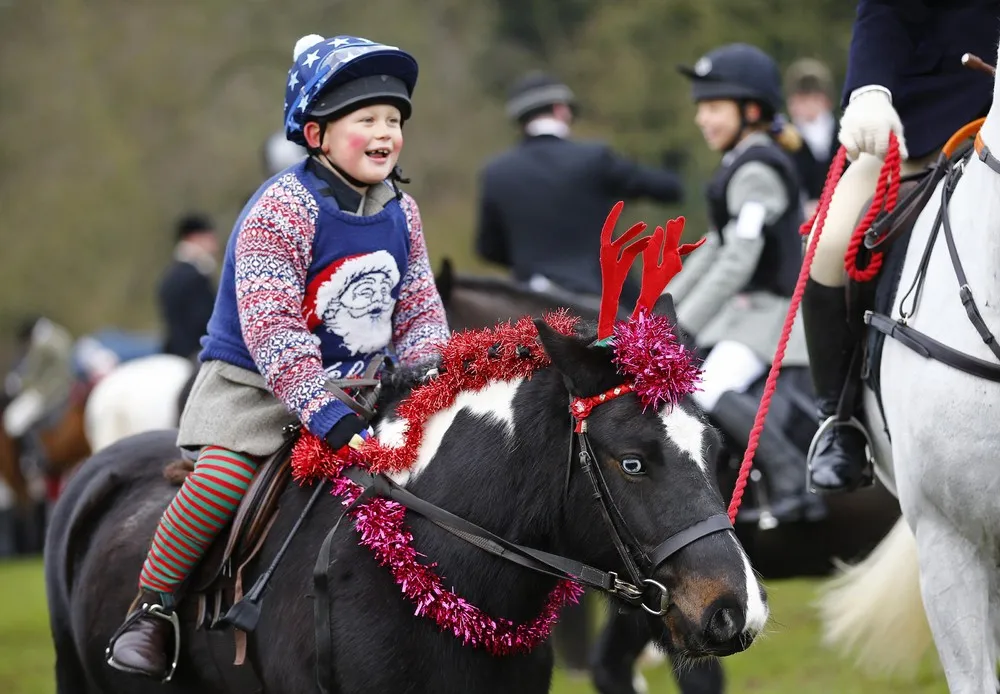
<point>311,131</point>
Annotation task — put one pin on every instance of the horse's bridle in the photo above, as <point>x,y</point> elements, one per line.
<point>639,564</point>
<point>626,544</point>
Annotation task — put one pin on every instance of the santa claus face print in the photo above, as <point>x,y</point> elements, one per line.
<point>356,302</point>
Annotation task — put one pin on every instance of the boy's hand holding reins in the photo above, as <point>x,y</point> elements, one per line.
<point>867,122</point>
<point>350,432</point>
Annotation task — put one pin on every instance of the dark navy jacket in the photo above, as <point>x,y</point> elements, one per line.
<point>914,48</point>
<point>543,203</point>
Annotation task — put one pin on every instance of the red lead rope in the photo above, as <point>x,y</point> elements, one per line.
<point>886,195</point>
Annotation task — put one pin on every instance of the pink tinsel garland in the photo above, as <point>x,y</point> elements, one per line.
<point>661,369</point>
<point>380,524</point>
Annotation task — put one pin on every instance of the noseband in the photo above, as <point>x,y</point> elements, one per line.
<point>639,564</point>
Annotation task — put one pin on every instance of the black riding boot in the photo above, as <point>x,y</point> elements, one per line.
<point>788,498</point>
<point>839,462</point>
<point>144,644</point>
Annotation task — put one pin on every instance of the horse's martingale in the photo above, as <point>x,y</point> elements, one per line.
<point>658,369</point>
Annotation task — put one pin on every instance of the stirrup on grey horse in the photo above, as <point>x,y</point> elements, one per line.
<point>139,645</point>
<point>840,457</point>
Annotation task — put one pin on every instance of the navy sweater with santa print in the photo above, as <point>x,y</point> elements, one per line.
<point>309,292</point>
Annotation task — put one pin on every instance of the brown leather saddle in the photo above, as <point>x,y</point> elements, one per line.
<point>217,582</point>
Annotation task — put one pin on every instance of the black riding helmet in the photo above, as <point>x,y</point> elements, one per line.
<point>740,72</point>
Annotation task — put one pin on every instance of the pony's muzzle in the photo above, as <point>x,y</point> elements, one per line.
<point>718,607</point>
<point>726,632</point>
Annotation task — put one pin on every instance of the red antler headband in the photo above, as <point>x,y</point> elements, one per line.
<point>661,262</point>
<point>660,369</point>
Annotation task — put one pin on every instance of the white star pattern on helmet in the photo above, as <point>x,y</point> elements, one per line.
<point>338,42</point>
<point>293,80</point>
<point>310,59</point>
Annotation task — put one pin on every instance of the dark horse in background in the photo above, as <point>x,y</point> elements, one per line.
<point>525,493</point>
<point>854,524</point>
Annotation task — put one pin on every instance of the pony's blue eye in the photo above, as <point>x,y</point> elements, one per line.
<point>633,466</point>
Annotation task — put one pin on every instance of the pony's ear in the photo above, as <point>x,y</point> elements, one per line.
<point>664,306</point>
<point>445,279</point>
<point>584,368</point>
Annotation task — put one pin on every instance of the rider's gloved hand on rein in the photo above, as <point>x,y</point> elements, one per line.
<point>867,122</point>
<point>350,432</point>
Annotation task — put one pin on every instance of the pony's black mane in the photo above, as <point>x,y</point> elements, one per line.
<point>397,383</point>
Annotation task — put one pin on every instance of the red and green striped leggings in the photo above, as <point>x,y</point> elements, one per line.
<point>204,505</point>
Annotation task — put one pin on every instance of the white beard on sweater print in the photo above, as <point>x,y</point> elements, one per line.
<point>356,302</point>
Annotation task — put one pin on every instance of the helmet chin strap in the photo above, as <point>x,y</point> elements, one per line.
<point>744,124</point>
<point>321,155</point>
<point>343,174</point>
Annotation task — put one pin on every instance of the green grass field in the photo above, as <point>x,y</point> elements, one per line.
<point>789,660</point>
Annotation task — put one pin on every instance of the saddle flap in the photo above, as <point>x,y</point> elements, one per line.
<point>260,504</point>
<point>252,518</point>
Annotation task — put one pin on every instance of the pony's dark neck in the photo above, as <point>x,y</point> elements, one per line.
<point>507,482</point>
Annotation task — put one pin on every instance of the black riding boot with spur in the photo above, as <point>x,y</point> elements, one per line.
<point>839,461</point>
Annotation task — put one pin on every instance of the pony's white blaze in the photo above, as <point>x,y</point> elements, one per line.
<point>757,610</point>
<point>687,432</point>
<point>494,402</point>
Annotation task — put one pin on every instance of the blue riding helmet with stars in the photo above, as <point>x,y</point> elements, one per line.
<point>330,77</point>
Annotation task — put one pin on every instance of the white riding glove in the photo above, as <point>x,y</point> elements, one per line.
<point>867,122</point>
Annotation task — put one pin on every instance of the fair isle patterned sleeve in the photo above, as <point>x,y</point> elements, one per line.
<point>273,253</point>
<point>419,327</point>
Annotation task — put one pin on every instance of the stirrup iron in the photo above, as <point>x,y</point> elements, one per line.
<point>829,423</point>
<point>157,612</point>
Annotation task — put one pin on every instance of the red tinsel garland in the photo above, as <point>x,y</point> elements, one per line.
<point>469,361</point>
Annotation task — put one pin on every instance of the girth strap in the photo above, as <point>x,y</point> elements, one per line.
<point>928,347</point>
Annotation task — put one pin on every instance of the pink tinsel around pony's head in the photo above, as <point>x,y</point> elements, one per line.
<point>661,369</point>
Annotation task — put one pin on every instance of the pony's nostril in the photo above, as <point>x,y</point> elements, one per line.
<point>725,625</point>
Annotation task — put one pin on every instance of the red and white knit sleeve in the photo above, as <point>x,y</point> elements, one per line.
<point>420,327</point>
<point>273,254</point>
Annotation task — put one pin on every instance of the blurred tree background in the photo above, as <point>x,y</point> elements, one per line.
<point>117,116</point>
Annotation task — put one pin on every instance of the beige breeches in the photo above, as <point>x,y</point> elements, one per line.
<point>852,192</point>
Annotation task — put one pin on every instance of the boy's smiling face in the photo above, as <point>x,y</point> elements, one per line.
<point>365,143</point>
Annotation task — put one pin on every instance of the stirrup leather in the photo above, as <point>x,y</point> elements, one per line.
<point>157,612</point>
